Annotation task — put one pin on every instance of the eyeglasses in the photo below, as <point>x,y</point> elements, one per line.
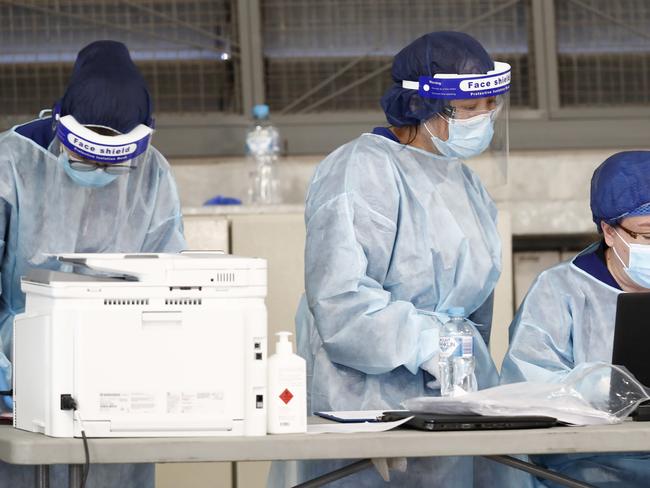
<point>634,235</point>
<point>462,114</point>
<point>111,169</point>
<point>467,113</point>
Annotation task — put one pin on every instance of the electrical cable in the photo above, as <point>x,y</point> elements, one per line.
<point>86,469</point>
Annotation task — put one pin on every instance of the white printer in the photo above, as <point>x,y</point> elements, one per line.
<point>148,345</point>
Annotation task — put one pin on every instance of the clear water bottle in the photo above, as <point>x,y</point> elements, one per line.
<point>456,360</point>
<point>464,361</point>
<point>262,148</point>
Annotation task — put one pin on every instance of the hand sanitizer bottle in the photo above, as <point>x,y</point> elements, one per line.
<point>287,389</point>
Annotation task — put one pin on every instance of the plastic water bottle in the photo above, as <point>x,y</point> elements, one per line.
<point>464,362</point>
<point>262,147</point>
<point>456,361</point>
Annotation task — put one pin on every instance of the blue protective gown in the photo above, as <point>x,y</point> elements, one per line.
<point>567,319</point>
<point>394,234</point>
<point>43,212</point>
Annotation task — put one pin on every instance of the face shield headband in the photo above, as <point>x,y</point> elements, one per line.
<point>456,86</point>
<point>100,148</point>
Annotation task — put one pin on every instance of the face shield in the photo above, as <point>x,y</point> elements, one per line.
<point>94,147</point>
<point>475,116</point>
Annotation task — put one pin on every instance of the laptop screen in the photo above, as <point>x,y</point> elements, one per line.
<point>632,335</point>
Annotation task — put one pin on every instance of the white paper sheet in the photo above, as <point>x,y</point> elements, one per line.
<point>351,415</point>
<point>354,427</point>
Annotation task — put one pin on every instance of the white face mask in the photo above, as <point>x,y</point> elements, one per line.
<point>467,137</point>
<point>638,268</point>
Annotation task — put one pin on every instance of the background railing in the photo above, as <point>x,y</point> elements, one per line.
<point>323,65</point>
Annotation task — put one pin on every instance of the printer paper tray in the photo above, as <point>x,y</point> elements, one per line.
<point>140,428</point>
<point>125,426</point>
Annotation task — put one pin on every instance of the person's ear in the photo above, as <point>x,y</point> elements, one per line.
<point>608,234</point>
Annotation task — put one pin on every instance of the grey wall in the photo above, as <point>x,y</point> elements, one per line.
<point>547,191</point>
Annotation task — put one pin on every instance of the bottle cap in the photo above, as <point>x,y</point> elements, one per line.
<point>261,111</point>
<point>456,312</point>
<point>283,346</point>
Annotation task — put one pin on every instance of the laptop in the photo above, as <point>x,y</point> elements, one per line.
<point>632,339</point>
<point>632,334</point>
<point>439,422</point>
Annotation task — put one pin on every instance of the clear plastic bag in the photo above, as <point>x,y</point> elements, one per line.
<point>592,393</point>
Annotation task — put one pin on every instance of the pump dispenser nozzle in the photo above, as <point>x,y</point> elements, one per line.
<point>283,346</point>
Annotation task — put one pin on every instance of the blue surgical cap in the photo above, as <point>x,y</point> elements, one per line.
<point>107,89</point>
<point>620,187</point>
<point>429,55</point>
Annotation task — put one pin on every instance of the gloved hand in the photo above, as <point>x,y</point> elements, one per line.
<point>432,367</point>
<point>383,465</point>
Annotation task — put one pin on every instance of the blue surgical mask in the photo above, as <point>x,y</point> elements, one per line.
<point>91,179</point>
<point>638,268</point>
<point>467,137</point>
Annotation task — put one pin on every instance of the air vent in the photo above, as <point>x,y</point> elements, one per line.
<point>223,278</point>
<point>126,301</point>
<point>183,301</point>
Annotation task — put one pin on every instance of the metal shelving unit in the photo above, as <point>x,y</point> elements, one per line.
<point>322,65</point>
<point>335,56</point>
<point>603,52</point>
<point>188,50</point>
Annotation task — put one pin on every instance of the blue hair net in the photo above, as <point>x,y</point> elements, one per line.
<point>431,54</point>
<point>107,89</point>
<point>620,187</point>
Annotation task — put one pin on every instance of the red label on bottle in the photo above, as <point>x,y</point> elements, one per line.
<point>286,396</point>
